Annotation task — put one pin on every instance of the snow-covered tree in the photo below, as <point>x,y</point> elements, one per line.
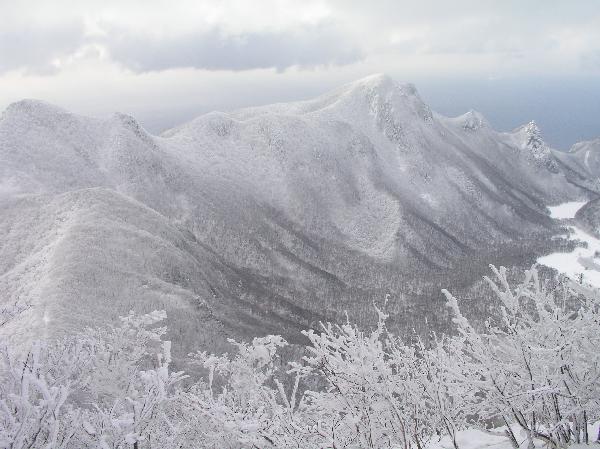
<point>533,367</point>
<point>379,392</point>
<point>106,388</point>
<point>34,388</point>
<point>243,403</point>
<point>537,365</point>
<point>130,383</point>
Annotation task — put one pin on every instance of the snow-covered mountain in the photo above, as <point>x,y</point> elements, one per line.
<point>268,219</point>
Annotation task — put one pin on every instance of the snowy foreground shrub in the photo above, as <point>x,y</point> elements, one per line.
<point>533,367</point>
<point>538,364</point>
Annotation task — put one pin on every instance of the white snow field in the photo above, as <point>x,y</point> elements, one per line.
<point>495,439</point>
<point>566,210</point>
<point>474,439</point>
<point>581,263</point>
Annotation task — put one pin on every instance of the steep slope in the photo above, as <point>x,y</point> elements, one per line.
<point>581,165</point>
<point>588,217</point>
<point>88,255</point>
<point>266,219</point>
<point>589,154</point>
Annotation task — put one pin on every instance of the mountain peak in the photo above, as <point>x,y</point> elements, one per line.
<point>32,107</point>
<point>530,135</point>
<point>384,97</point>
<point>382,84</point>
<point>472,120</point>
<point>530,139</point>
<point>126,120</point>
<point>129,123</point>
<point>392,104</point>
<point>376,80</point>
<point>534,135</point>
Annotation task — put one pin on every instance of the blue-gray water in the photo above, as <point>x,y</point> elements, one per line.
<point>567,110</point>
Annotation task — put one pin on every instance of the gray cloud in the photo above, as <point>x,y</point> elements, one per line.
<point>214,50</point>
<point>158,36</point>
<point>35,48</point>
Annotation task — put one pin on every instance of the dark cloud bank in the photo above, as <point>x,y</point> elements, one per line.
<point>35,49</point>
<point>214,50</point>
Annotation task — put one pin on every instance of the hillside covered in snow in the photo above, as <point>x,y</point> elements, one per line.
<point>270,219</point>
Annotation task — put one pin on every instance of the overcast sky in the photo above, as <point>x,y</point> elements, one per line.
<point>165,61</point>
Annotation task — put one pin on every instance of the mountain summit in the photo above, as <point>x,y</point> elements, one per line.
<point>533,144</point>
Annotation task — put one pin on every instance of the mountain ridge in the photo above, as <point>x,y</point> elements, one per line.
<point>284,214</point>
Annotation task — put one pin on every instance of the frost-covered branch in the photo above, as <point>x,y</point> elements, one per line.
<point>534,367</point>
